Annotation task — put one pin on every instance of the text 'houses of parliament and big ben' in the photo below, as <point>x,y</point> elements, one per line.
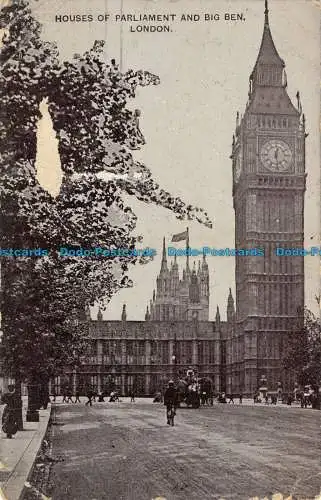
<point>269,181</point>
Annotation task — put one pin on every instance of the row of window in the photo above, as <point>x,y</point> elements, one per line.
<point>114,351</point>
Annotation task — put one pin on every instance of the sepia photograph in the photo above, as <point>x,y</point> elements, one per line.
<point>160,256</point>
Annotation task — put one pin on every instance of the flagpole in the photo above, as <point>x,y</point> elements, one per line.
<point>187,250</point>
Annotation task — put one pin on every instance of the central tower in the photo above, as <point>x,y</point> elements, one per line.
<point>268,161</point>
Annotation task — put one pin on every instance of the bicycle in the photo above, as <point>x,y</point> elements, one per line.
<point>170,414</point>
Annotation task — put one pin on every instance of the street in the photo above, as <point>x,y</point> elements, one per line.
<point>125,451</point>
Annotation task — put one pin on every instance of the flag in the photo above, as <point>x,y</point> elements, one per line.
<point>180,236</point>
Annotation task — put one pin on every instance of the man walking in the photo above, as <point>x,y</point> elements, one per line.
<point>170,400</point>
<point>69,396</point>
<point>90,398</point>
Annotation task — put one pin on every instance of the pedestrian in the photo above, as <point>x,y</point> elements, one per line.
<point>170,401</point>
<point>132,397</point>
<point>231,400</point>
<point>90,398</point>
<point>10,412</point>
<point>77,400</point>
<point>241,398</point>
<point>69,396</point>
<point>45,399</point>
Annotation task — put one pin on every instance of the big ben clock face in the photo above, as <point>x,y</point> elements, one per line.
<point>276,155</point>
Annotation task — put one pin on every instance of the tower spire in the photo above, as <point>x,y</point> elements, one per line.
<point>218,316</point>
<point>268,69</point>
<point>266,13</point>
<point>164,259</point>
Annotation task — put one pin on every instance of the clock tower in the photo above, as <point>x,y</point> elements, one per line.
<point>268,161</point>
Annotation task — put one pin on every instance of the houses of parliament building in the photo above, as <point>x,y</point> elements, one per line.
<point>268,167</point>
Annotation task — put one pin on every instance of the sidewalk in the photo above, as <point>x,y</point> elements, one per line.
<point>17,455</point>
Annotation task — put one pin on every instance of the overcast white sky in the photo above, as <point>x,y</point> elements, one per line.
<point>188,120</point>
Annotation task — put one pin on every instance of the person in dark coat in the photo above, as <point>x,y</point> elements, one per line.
<point>170,399</point>
<point>69,396</point>
<point>9,416</point>
<point>90,395</point>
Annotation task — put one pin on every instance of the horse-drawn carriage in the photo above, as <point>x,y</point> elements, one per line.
<point>193,391</point>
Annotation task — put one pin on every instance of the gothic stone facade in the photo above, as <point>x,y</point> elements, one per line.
<point>178,299</point>
<point>144,355</point>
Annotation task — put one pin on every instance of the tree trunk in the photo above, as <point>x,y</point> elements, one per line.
<point>18,405</point>
<point>33,401</point>
<point>44,394</point>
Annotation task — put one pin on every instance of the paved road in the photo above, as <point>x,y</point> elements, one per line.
<point>125,451</point>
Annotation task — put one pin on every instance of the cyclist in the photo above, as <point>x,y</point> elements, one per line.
<point>170,400</point>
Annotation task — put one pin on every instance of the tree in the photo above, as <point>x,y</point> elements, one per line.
<point>97,133</point>
<point>304,350</point>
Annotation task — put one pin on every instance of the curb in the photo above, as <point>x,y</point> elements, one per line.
<point>14,487</point>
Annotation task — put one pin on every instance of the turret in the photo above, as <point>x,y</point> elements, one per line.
<point>204,264</point>
<point>124,313</point>
<point>217,318</point>
<point>147,314</point>
<point>194,290</point>
<point>230,311</point>
<point>174,277</point>
<point>99,315</point>
<point>204,278</point>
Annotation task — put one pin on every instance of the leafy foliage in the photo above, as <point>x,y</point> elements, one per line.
<point>97,134</point>
<point>304,350</point>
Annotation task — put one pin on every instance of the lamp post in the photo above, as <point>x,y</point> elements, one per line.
<point>174,359</point>
<point>174,356</point>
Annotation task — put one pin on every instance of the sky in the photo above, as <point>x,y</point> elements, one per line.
<point>188,120</point>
